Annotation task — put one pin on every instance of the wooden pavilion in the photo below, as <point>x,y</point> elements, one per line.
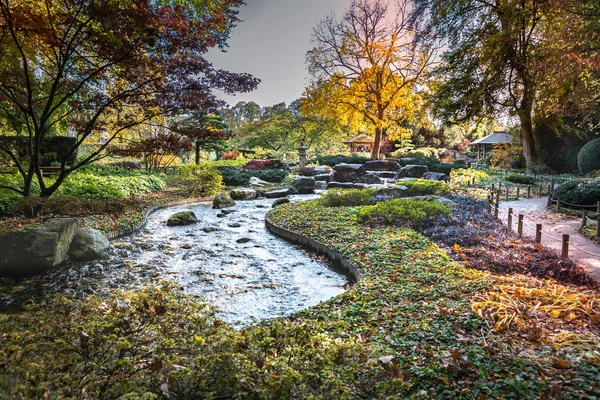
<point>487,143</point>
<point>361,143</point>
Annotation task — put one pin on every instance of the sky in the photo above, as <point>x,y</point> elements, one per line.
<point>271,43</point>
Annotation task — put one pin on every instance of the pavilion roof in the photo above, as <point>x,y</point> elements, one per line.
<point>495,138</point>
<point>362,138</point>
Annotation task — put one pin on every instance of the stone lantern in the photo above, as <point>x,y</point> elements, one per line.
<point>302,154</point>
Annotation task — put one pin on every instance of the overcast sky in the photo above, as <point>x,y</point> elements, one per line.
<point>271,43</point>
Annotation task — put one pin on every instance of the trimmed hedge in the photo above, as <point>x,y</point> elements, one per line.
<point>338,159</point>
<point>402,212</point>
<point>522,179</point>
<point>588,159</point>
<point>432,164</point>
<point>580,192</point>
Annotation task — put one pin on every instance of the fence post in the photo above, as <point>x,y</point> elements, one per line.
<point>496,210</point>
<point>529,191</point>
<point>598,207</point>
<point>565,246</point>
<point>473,181</point>
<point>598,227</point>
<point>538,233</point>
<point>557,204</point>
<point>549,201</point>
<point>493,186</point>
<point>507,189</point>
<point>584,219</point>
<point>489,205</point>
<point>540,190</point>
<point>510,215</point>
<point>520,225</point>
<point>518,190</point>
<point>500,186</point>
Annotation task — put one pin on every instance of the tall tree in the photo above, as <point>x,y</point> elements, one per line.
<point>493,57</point>
<point>105,66</point>
<point>208,131</point>
<point>369,61</point>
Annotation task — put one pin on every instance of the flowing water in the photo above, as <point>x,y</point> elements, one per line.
<point>229,259</point>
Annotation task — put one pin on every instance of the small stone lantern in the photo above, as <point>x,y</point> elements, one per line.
<point>302,154</point>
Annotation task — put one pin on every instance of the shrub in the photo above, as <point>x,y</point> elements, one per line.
<point>423,152</point>
<point>261,165</point>
<point>202,179</point>
<point>588,159</point>
<point>464,176</point>
<point>432,164</point>
<point>348,197</point>
<point>82,185</point>
<point>402,212</point>
<point>240,177</point>
<point>523,179</point>
<point>63,206</point>
<point>507,156</point>
<point>580,192</point>
<point>339,159</point>
<point>422,187</point>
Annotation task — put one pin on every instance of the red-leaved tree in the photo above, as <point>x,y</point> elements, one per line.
<point>96,68</point>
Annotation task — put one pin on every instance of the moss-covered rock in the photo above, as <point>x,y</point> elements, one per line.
<point>223,201</point>
<point>182,218</point>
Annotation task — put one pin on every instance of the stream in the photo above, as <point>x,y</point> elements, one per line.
<point>231,260</point>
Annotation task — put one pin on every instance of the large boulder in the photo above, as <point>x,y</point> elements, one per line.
<point>88,244</point>
<point>435,176</point>
<point>34,250</point>
<point>243,194</point>
<point>304,184</point>
<point>370,179</point>
<point>254,181</point>
<point>323,177</point>
<point>182,218</point>
<point>382,165</point>
<point>412,171</point>
<point>223,201</point>
<point>278,202</point>
<point>340,185</point>
<point>313,171</point>
<point>348,172</point>
<point>320,185</point>
<point>276,194</point>
<point>385,174</point>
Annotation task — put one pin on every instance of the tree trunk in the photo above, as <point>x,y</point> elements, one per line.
<point>527,138</point>
<point>197,153</point>
<point>376,145</point>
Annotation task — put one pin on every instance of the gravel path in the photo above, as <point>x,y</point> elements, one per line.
<point>554,226</point>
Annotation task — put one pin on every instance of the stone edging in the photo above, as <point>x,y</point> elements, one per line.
<point>140,225</point>
<point>349,268</point>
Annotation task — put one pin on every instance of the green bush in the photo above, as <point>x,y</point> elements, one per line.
<point>9,197</point>
<point>401,212</point>
<point>588,159</point>
<point>433,164</point>
<point>347,197</point>
<point>85,185</point>
<point>338,159</point>
<point>203,179</point>
<point>579,192</point>
<point>237,177</point>
<point>422,187</point>
<point>423,152</point>
<point>523,179</point>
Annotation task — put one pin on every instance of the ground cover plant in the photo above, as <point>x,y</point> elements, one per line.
<point>401,212</point>
<point>422,187</point>
<point>338,159</point>
<point>416,325</point>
